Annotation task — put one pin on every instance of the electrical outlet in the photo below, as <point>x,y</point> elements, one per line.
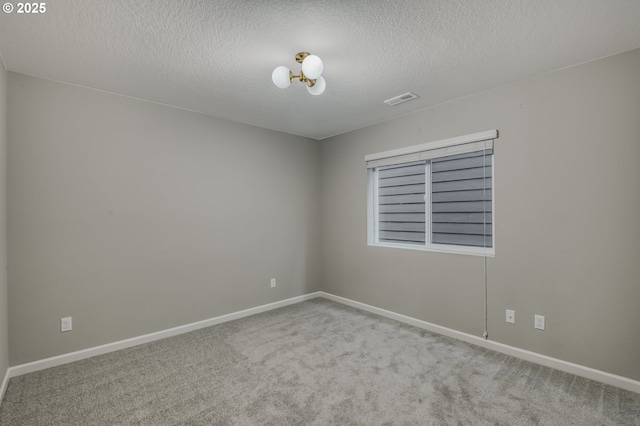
<point>538,322</point>
<point>511,316</point>
<point>273,282</point>
<point>65,324</point>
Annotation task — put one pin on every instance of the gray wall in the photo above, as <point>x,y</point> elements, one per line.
<point>4,316</point>
<point>133,217</point>
<point>567,193</point>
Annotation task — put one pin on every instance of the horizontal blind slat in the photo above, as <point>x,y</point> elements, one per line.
<point>462,206</point>
<point>459,185</point>
<point>416,237</point>
<point>402,208</point>
<point>402,226</point>
<point>411,169</point>
<point>405,189</point>
<point>466,217</point>
<point>459,164</point>
<point>459,239</point>
<point>401,180</point>
<point>462,174</point>
<point>402,199</point>
<point>401,217</point>
<point>462,228</point>
<point>472,195</point>
<point>475,153</point>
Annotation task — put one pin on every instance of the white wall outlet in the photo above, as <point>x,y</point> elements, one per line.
<point>511,316</point>
<point>538,322</point>
<point>65,324</point>
<point>273,282</point>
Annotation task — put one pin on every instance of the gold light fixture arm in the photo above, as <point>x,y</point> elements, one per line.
<point>303,78</point>
<point>300,56</point>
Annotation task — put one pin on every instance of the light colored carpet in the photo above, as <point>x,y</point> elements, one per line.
<point>312,363</point>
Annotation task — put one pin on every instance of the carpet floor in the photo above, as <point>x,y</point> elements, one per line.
<point>312,363</point>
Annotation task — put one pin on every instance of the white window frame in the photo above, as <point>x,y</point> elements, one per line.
<point>421,152</point>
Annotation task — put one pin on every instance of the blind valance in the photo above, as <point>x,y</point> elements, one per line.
<point>442,148</point>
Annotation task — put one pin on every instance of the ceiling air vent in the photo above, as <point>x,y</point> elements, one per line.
<point>400,99</point>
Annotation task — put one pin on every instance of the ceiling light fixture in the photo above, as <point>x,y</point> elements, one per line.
<point>310,74</point>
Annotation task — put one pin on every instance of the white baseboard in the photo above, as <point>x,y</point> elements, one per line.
<point>578,370</point>
<point>558,364</point>
<point>30,367</point>
<point>3,386</point>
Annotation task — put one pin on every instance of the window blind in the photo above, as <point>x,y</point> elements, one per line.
<point>401,205</point>
<point>461,207</point>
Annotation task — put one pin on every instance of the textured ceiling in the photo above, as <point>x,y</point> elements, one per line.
<point>216,57</point>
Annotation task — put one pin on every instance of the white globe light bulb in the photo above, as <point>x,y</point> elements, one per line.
<point>312,67</point>
<point>318,88</point>
<point>281,77</point>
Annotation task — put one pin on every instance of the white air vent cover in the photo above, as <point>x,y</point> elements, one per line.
<point>400,99</point>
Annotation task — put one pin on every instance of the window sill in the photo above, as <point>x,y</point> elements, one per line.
<point>441,248</point>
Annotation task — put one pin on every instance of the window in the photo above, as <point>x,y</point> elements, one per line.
<point>436,196</point>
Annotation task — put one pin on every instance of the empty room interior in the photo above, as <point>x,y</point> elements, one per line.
<point>367,212</point>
